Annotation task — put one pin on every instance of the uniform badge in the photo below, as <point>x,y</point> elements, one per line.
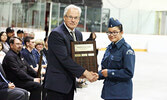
<point>130,52</point>
<point>22,59</point>
<point>113,73</point>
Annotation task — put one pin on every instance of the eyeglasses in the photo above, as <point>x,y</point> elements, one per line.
<point>70,17</point>
<point>113,33</point>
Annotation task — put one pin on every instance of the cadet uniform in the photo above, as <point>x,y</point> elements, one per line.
<point>119,60</point>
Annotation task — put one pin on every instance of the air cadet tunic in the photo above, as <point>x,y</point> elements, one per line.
<point>120,61</point>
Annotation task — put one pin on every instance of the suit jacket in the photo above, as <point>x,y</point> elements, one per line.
<point>61,69</point>
<point>29,57</point>
<point>17,69</point>
<point>3,86</point>
<point>119,60</point>
<point>3,89</point>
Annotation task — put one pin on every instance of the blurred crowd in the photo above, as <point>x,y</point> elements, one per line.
<point>30,47</point>
<point>20,57</point>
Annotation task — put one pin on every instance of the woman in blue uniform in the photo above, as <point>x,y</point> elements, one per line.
<point>117,65</point>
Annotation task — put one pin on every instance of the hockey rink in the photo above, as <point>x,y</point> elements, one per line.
<point>149,81</point>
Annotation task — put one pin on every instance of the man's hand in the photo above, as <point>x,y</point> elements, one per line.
<point>104,72</point>
<point>36,69</point>
<point>95,74</point>
<point>91,76</point>
<point>11,86</point>
<point>37,80</point>
<point>44,66</point>
<point>82,76</point>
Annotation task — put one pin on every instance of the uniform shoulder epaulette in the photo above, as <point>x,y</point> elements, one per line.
<point>127,45</point>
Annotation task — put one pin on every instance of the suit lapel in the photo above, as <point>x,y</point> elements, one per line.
<point>69,36</point>
<point>67,33</point>
<point>77,35</point>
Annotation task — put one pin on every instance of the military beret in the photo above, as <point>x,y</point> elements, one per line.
<point>113,22</point>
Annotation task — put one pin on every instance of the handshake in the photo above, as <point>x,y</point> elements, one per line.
<point>91,76</point>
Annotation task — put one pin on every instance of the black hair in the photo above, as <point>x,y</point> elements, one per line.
<point>9,30</point>
<point>120,27</point>
<point>27,39</point>
<point>91,35</point>
<point>20,31</point>
<point>1,34</point>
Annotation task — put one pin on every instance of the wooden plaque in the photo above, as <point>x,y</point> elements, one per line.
<point>84,53</point>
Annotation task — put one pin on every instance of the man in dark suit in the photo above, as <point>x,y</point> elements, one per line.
<point>8,91</point>
<point>18,71</point>
<point>62,70</point>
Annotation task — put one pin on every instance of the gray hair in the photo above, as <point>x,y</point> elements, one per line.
<point>72,6</point>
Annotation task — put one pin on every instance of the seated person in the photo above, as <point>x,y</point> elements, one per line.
<point>10,33</point>
<point>8,90</point>
<point>18,71</point>
<point>2,53</point>
<point>28,53</point>
<point>3,39</point>
<point>20,34</point>
<point>39,46</point>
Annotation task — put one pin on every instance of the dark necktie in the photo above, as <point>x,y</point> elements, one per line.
<point>3,77</point>
<point>73,35</point>
<point>113,45</point>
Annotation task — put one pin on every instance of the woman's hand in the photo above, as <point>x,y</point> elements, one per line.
<point>104,72</point>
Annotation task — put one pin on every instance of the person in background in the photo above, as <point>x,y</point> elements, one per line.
<point>92,37</point>
<point>19,71</point>
<point>26,34</point>
<point>29,53</point>
<point>62,70</point>
<point>32,34</point>
<point>39,48</point>
<point>8,91</point>
<point>117,65</point>
<point>3,39</point>
<point>20,34</point>
<point>2,54</point>
<point>39,45</point>
<point>10,33</point>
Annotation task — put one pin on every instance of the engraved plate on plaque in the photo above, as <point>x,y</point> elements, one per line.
<point>83,47</point>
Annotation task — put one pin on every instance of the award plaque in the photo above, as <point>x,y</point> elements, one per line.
<point>84,54</point>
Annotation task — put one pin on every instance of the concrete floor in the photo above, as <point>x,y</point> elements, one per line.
<point>150,79</point>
